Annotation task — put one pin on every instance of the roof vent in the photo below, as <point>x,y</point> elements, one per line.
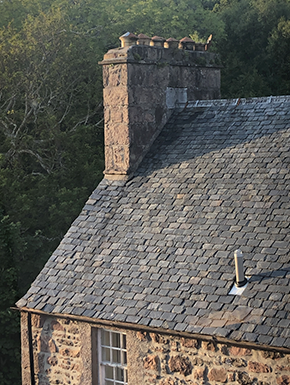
<point>241,281</point>
<point>240,277</point>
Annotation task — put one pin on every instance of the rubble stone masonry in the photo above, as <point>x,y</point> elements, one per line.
<point>169,360</point>
<point>61,351</point>
<point>65,353</point>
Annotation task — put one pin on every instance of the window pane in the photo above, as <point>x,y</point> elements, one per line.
<point>124,358</point>
<point>106,354</point>
<point>105,338</point>
<point>109,372</point>
<point>116,340</point>
<point>124,355</point>
<point>124,341</point>
<point>119,374</point>
<point>116,356</point>
<point>109,382</point>
<point>125,375</point>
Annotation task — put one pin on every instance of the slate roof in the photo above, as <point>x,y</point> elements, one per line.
<point>158,250</point>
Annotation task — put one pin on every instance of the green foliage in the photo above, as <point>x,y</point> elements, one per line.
<point>279,57</point>
<point>250,47</point>
<point>168,18</point>
<point>9,347</point>
<point>45,204</point>
<point>51,149</point>
<point>10,249</point>
<point>47,77</point>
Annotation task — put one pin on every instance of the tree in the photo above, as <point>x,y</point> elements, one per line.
<point>279,58</point>
<point>10,248</point>
<point>50,104</point>
<point>45,90</point>
<point>245,48</point>
<point>51,154</point>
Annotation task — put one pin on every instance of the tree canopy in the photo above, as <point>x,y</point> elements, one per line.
<point>253,38</point>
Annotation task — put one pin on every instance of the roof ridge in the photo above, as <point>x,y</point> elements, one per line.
<point>233,102</point>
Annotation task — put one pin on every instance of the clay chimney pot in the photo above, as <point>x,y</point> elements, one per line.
<point>128,39</point>
<point>171,43</point>
<point>143,39</point>
<point>187,44</point>
<point>157,41</point>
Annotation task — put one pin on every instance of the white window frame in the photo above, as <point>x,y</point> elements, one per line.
<point>120,365</point>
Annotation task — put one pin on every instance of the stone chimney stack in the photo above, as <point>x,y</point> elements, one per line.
<point>143,84</point>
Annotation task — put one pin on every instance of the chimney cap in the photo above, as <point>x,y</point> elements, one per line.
<point>157,41</point>
<point>238,253</point>
<point>129,34</point>
<point>142,36</point>
<point>171,43</point>
<point>187,43</point>
<point>128,39</point>
<point>143,39</point>
<point>158,38</point>
<point>187,40</point>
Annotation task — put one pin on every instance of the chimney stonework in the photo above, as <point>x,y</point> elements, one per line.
<point>142,85</point>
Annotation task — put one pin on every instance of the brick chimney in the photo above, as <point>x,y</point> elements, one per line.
<point>143,84</point>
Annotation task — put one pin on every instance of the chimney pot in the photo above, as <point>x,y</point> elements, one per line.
<point>187,44</point>
<point>128,39</point>
<point>157,41</point>
<point>143,39</point>
<point>171,43</point>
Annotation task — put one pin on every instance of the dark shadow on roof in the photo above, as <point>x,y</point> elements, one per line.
<point>197,131</point>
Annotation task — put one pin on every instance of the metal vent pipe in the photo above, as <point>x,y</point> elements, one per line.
<point>240,277</point>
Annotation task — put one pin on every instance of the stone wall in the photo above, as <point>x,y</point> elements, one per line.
<point>142,86</point>
<point>169,360</point>
<point>61,351</point>
<point>65,353</point>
